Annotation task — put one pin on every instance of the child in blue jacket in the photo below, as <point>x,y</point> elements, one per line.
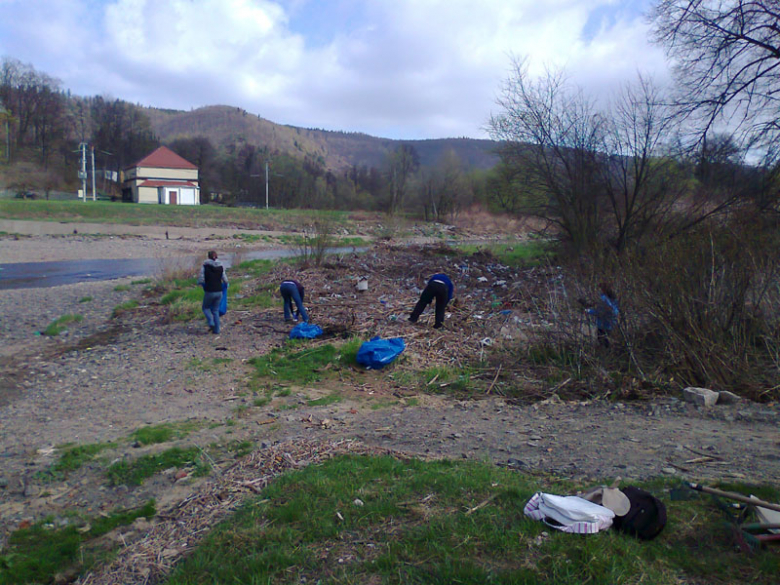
<point>606,312</point>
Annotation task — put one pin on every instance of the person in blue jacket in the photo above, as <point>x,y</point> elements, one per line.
<point>440,288</point>
<point>212,276</point>
<point>606,313</point>
<point>292,291</point>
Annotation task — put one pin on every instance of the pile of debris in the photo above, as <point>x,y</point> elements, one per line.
<point>373,293</point>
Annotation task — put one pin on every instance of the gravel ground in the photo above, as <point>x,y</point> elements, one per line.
<point>107,377</point>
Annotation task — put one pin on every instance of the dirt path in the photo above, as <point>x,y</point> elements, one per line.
<point>109,376</point>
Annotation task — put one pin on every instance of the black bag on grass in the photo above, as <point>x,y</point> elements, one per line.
<point>647,516</point>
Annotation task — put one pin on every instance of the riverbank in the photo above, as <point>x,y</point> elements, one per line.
<point>30,241</point>
<point>116,371</point>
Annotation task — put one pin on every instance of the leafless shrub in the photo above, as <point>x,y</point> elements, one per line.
<point>176,267</point>
<point>315,242</point>
<point>700,309</point>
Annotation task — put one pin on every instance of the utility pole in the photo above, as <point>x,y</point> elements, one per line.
<point>83,171</point>
<point>94,197</point>
<point>266,184</point>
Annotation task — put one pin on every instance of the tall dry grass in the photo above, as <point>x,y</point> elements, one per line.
<point>700,309</point>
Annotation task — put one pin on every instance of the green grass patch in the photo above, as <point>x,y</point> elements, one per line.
<point>353,241</point>
<point>122,308</point>
<point>348,351</point>
<point>121,288</point>
<point>164,432</point>
<point>439,379</point>
<point>85,299</point>
<point>418,522</point>
<point>265,297</point>
<point>141,281</point>
<point>185,300</point>
<point>61,324</point>
<point>255,267</point>
<point>134,472</point>
<point>167,215</point>
<point>239,448</point>
<point>189,294</point>
<point>519,254</point>
<point>290,364</point>
<point>38,553</point>
<point>71,458</point>
<point>332,398</point>
<point>380,404</point>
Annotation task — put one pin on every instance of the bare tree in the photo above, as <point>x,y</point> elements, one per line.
<point>444,189</point>
<point>553,131</point>
<point>641,184</point>
<point>401,166</point>
<point>727,62</point>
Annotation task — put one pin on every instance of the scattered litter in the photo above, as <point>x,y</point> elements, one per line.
<point>305,331</point>
<point>377,353</point>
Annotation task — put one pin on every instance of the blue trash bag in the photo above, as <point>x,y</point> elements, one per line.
<point>223,302</point>
<point>305,331</point>
<point>377,353</point>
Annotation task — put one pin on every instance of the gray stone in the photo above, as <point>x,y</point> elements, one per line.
<point>700,396</point>
<point>726,397</point>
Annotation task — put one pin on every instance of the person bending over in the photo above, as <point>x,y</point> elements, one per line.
<point>440,288</point>
<point>292,291</point>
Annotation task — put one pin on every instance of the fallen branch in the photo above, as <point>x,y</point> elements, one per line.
<point>493,383</point>
<point>481,505</point>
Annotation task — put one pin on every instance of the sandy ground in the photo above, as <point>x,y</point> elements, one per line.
<point>109,376</point>
<point>40,241</point>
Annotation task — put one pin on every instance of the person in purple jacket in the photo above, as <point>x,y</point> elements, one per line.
<point>440,288</point>
<point>292,291</point>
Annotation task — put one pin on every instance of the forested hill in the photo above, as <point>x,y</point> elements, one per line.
<point>225,125</point>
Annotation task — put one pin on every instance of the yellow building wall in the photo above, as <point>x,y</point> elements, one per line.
<point>152,173</point>
<point>147,195</point>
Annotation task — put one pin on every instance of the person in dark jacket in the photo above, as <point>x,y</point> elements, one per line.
<point>212,275</point>
<point>292,291</point>
<point>440,288</point>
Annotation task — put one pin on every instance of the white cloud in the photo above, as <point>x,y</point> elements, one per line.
<point>400,68</point>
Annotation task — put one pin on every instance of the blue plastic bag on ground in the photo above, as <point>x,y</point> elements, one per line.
<point>223,302</point>
<point>305,331</point>
<point>377,353</point>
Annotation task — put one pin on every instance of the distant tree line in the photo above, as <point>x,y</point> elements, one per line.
<point>43,126</point>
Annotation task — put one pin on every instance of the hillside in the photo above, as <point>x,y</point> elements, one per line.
<point>226,125</point>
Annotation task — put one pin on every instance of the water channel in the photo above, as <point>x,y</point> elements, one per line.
<point>46,274</point>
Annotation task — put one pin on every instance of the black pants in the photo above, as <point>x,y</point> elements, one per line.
<point>437,290</point>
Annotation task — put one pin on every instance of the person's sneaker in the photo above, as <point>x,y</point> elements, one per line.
<point>437,326</point>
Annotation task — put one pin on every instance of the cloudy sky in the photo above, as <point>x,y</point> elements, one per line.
<point>403,69</point>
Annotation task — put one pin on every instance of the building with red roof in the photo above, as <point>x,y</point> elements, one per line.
<point>162,177</point>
